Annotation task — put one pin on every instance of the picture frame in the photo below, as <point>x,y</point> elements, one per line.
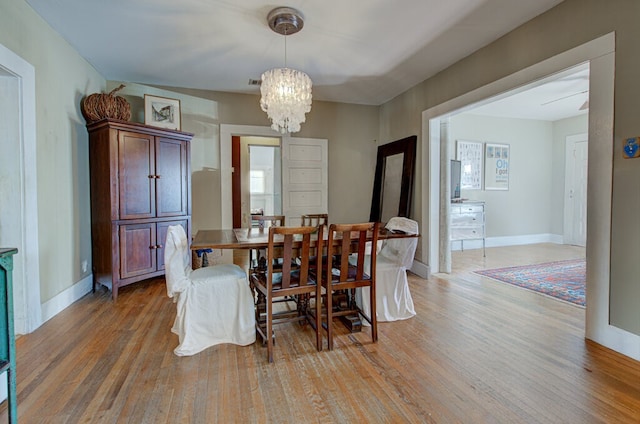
<point>496,165</point>
<point>470,154</point>
<point>162,112</point>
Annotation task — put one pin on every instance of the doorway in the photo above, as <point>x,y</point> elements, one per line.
<point>575,191</point>
<point>600,54</point>
<point>257,178</point>
<point>534,125</point>
<point>19,217</point>
<point>305,168</point>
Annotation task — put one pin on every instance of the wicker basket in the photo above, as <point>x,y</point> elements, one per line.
<point>99,106</point>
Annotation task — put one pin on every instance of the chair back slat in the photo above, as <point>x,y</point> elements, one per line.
<point>296,249</point>
<point>352,238</point>
<point>315,220</point>
<point>268,221</point>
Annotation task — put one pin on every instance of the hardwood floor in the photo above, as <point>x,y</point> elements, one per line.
<point>477,352</point>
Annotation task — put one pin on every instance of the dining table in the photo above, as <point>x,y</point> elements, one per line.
<point>256,238</point>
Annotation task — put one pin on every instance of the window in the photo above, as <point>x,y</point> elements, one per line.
<point>257,181</point>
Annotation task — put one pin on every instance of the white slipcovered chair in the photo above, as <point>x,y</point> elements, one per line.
<point>393,297</point>
<point>214,304</point>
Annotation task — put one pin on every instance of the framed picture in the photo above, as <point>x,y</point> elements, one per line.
<point>469,153</point>
<point>496,166</point>
<point>162,112</point>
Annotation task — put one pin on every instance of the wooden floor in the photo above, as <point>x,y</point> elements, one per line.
<point>478,351</point>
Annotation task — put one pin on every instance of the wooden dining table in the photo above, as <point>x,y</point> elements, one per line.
<point>255,238</point>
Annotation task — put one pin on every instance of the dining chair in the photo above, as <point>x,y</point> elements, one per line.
<point>291,281</point>
<point>342,276</point>
<point>214,304</point>
<point>263,222</point>
<point>315,220</point>
<point>393,297</point>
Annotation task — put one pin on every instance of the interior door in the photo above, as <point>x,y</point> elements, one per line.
<point>575,204</point>
<point>305,180</point>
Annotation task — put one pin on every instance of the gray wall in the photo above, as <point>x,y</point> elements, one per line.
<point>570,24</point>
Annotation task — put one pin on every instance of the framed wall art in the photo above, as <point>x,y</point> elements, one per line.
<point>469,153</point>
<point>162,112</point>
<point>496,165</point>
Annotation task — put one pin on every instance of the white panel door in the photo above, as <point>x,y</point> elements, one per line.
<point>305,179</point>
<point>575,204</point>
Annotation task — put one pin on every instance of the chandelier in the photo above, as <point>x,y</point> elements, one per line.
<point>286,92</point>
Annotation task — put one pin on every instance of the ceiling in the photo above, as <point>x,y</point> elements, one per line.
<point>355,51</point>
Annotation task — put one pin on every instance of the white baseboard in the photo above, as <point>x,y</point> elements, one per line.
<point>56,305</point>
<point>420,269</point>
<point>508,241</point>
<point>616,339</point>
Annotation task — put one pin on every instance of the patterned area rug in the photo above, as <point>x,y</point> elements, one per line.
<point>564,280</point>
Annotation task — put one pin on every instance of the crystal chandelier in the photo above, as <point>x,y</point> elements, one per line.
<point>286,92</point>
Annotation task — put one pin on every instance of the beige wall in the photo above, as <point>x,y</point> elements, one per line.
<point>352,131</point>
<point>570,24</point>
<point>62,78</point>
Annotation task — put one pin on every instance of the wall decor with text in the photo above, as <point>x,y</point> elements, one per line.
<point>496,166</point>
<point>469,153</point>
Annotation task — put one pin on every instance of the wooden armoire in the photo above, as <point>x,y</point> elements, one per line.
<point>140,185</point>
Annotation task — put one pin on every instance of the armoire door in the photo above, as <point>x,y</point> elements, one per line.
<point>161,237</point>
<point>172,173</point>
<point>138,249</point>
<point>136,175</point>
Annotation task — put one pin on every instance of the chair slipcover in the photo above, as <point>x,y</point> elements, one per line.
<point>214,304</point>
<point>393,298</point>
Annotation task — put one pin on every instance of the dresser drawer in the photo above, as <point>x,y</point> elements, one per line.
<point>466,219</point>
<point>467,233</point>
<point>470,208</point>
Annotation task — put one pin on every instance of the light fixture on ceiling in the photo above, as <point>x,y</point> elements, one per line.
<point>286,92</point>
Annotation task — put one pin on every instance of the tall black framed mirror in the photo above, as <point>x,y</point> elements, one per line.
<point>393,182</point>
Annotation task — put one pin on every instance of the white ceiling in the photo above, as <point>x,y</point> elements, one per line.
<point>355,51</point>
<point>550,99</point>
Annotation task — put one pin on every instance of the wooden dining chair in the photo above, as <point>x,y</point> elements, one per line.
<point>315,220</point>
<point>290,281</point>
<point>263,222</point>
<point>342,277</point>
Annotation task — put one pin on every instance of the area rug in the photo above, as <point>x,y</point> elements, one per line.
<point>564,280</point>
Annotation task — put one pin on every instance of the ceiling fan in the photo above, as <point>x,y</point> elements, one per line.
<point>584,106</point>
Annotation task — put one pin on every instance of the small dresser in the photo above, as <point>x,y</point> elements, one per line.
<point>468,222</point>
<point>7,335</point>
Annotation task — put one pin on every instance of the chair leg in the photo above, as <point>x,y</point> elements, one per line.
<point>269,329</point>
<point>329,317</point>
<point>319,319</point>
<point>373,317</point>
